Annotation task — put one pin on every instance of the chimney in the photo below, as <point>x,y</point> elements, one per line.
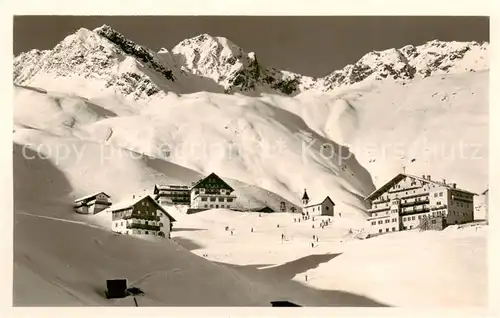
<point>428,177</point>
<point>444,181</point>
<point>454,185</point>
<point>423,176</point>
<point>133,196</point>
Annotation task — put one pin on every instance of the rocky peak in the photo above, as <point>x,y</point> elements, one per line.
<point>131,48</point>
<point>408,62</point>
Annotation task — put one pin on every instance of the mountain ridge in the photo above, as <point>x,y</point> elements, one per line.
<point>215,64</point>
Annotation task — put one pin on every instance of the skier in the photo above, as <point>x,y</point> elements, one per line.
<point>251,230</point>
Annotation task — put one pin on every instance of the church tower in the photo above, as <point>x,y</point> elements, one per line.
<point>305,198</point>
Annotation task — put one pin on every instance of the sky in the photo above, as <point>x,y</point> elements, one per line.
<point>309,45</point>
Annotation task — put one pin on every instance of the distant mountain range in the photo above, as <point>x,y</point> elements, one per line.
<point>215,64</point>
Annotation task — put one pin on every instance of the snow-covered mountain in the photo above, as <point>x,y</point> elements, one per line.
<point>101,87</point>
<point>99,112</point>
<point>215,64</point>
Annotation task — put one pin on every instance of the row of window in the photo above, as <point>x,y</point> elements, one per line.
<point>222,206</point>
<point>387,230</point>
<point>461,204</point>
<point>220,199</point>
<point>130,222</point>
<point>384,221</point>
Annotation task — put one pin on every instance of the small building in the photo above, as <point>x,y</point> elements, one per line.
<point>407,201</point>
<point>92,204</point>
<point>263,209</point>
<point>212,193</point>
<point>141,216</point>
<point>325,207</point>
<point>168,195</point>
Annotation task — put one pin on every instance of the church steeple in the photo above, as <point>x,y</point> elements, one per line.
<point>305,198</point>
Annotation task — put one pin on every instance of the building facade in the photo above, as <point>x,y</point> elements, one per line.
<point>92,204</point>
<point>168,195</point>
<point>212,193</point>
<point>141,216</point>
<point>325,207</point>
<point>406,202</point>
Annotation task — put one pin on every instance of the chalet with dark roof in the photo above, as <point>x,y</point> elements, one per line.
<point>141,216</point>
<point>212,193</point>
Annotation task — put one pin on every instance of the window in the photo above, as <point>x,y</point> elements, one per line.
<point>216,206</point>
<point>451,202</point>
<point>419,217</point>
<point>206,205</point>
<point>387,221</point>
<point>413,218</point>
<point>221,199</point>
<point>147,233</point>
<point>380,222</point>
<point>387,230</point>
<point>229,199</point>
<point>121,223</point>
<point>393,229</point>
<point>160,224</point>
<point>374,222</point>
<point>138,231</point>
<point>203,199</point>
<point>211,205</point>
<point>327,208</point>
<point>440,194</point>
<point>380,230</point>
<point>433,221</point>
<point>435,195</point>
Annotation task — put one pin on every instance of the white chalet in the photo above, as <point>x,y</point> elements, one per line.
<point>325,207</point>
<point>141,216</point>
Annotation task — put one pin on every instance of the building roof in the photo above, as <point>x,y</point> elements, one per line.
<point>261,209</point>
<point>305,196</point>
<point>401,176</point>
<point>201,182</point>
<point>315,204</point>
<point>90,196</point>
<point>130,203</point>
<point>169,187</point>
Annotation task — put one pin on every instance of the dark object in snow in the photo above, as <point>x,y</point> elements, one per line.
<point>116,288</point>
<point>135,291</point>
<point>284,303</point>
<point>413,160</point>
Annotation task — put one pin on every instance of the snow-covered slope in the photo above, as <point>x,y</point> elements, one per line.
<point>435,126</point>
<point>451,271</point>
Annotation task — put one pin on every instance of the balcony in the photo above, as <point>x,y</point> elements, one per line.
<point>416,210</point>
<point>379,209</point>
<point>383,200</point>
<point>143,226</point>
<point>439,207</point>
<point>142,217</point>
<point>415,202</point>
